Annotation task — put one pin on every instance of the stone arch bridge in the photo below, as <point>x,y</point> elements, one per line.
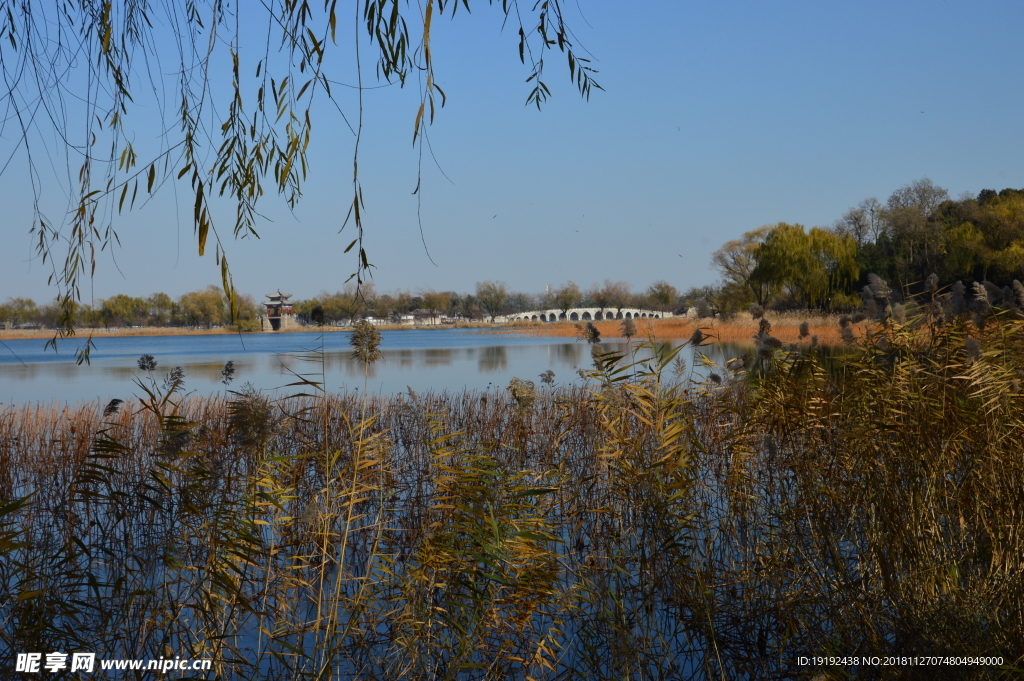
<point>584,314</point>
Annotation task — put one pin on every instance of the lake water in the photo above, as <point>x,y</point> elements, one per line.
<point>424,360</point>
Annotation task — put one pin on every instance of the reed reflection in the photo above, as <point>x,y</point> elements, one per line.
<point>494,358</point>
<point>568,354</point>
<point>434,356</point>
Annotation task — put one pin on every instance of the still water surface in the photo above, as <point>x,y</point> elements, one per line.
<point>448,359</point>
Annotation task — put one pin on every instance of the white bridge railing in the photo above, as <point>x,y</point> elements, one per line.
<point>584,314</point>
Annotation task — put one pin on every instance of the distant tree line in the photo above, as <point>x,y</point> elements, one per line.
<point>917,232</point>
<point>489,300</point>
<point>208,307</point>
<point>203,308</point>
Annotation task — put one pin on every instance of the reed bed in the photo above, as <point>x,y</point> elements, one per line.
<point>636,527</point>
<point>739,328</point>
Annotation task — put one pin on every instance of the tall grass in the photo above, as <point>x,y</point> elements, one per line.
<point>795,504</point>
<point>737,328</point>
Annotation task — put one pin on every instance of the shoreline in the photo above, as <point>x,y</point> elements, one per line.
<point>740,329</point>
<point>150,331</point>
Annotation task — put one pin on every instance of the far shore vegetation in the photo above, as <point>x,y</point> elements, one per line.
<point>739,328</point>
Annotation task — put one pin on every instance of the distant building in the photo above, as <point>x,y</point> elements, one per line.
<point>279,314</point>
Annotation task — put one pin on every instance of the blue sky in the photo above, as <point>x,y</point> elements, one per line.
<point>716,118</point>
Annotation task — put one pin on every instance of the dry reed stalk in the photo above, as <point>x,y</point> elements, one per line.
<point>739,329</point>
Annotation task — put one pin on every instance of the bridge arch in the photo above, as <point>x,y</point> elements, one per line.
<point>585,314</point>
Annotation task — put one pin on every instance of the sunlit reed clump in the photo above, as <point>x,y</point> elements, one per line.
<point>365,342</point>
<point>589,333</point>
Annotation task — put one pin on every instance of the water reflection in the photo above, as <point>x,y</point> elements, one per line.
<point>492,359</point>
<point>570,354</point>
<point>433,356</point>
<point>444,361</point>
<point>423,369</point>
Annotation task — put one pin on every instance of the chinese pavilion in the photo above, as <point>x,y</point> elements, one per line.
<point>279,312</point>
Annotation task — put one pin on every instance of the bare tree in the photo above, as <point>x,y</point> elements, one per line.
<point>921,196</point>
<point>855,223</point>
<point>907,220</point>
<point>662,295</point>
<point>736,261</point>
<point>598,295</point>
<point>618,294</point>
<point>491,295</point>
<point>565,297</point>
<point>875,212</point>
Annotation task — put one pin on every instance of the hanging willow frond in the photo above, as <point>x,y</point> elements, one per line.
<point>233,123</point>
